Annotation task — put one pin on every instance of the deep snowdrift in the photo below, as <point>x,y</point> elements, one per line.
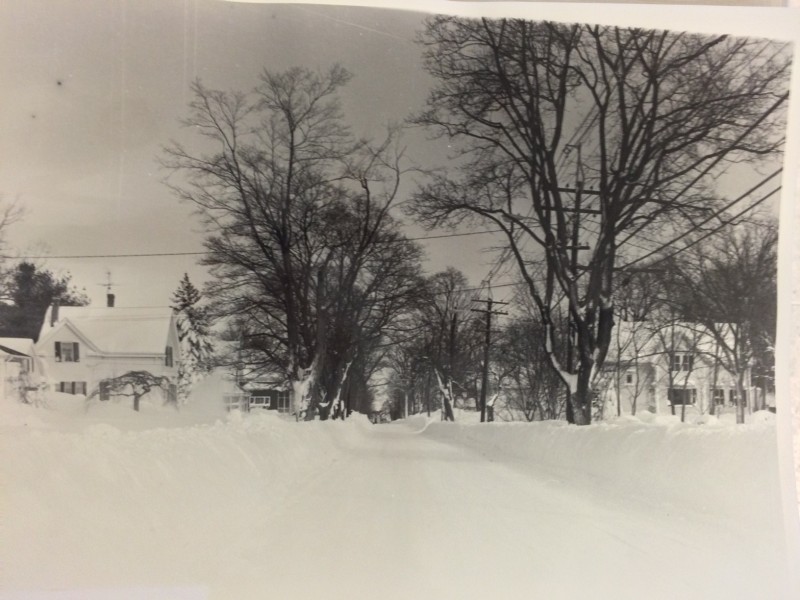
<point>112,501</point>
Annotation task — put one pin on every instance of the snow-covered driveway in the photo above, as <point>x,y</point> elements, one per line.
<point>264,509</point>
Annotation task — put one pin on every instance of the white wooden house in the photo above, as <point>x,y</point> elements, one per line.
<point>656,368</point>
<point>80,346</point>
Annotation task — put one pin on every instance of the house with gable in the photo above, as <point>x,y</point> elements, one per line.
<point>658,367</point>
<point>80,346</point>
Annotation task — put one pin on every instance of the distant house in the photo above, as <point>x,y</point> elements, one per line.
<point>269,398</point>
<point>650,368</point>
<point>17,366</point>
<point>80,346</point>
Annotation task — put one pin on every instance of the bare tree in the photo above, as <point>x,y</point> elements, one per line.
<point>10,212</point>
<point>679,347</point>
<point>304,250</point>
<point>439,360</point>
<point>133,384</point>
<point>533,390</point>
<point>651,118</point>
<point>728,285</point>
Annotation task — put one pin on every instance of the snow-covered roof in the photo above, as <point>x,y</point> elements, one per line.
<point>16,346</point>
<point>116,330</point>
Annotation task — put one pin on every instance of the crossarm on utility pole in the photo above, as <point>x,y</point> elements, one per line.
<point>485,377</point>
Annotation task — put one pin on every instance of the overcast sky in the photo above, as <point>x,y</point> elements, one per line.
<point>93,88</point>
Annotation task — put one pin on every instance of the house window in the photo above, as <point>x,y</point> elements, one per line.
<point>719,396</point>
<point>682,362</point>
<point>67,352</point>
<point>681,396</point>
<point>72,387</point>
<point>283,402</point>
<point>168,360</point>
<point>259,401</point>
<point>629,378</point>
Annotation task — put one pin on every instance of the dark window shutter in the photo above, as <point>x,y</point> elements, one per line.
<point>76,352</point>
<point>58,351</point>
<point>104,391</point>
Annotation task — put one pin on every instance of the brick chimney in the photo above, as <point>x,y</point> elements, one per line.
<point>54,313</point>
<point>110,300</point>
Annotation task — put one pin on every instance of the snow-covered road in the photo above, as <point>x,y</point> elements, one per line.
<point>264,509</point>
<point>399,515</point>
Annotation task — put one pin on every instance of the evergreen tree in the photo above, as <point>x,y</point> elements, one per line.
<point>31,290</point>
<point>194,324</point>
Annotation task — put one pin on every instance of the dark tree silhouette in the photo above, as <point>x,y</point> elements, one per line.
<point>31,290</point>
<point>305,253</point>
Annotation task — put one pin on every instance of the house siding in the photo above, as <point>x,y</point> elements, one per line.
<point>93,366</point>
<point>653,374</point>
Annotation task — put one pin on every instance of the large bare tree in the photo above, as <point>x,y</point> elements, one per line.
<point>306,255</point>
<point>577,140</point>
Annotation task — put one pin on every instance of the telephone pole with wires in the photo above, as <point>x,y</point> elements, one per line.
<point>574,247</point>
<point>487,342</point>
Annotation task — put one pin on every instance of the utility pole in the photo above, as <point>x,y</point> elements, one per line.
<point>574,268</point>
<point>485,379</point>
<point>574,247</point>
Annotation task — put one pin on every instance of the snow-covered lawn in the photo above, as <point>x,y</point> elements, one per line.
<point>114,504</point>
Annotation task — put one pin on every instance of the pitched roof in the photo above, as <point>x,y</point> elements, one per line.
<point>118,329</point>
<point>17,346</point>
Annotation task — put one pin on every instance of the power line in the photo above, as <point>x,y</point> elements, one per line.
<point>580,132</point>
<point>720,157</point>
<point>708,233</point>
<point>717,213</point>
<point>197,253</point>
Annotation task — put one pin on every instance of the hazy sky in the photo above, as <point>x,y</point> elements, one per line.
<point>97,87</point>
<point>93,88</point>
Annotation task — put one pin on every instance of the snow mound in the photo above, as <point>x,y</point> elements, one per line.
<point>114,497</point>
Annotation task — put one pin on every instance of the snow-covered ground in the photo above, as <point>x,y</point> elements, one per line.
<point>198,504</point>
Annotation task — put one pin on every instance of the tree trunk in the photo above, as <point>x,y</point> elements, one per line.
<point>712,407</point>
<point>582,399</point>
<point>428,394</point>
<point>446,405</point>
<point>740,398</point>
<point>315,393</point>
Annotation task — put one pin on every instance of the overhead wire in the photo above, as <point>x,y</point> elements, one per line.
<point>202,253</point>
<point>709,233</point>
